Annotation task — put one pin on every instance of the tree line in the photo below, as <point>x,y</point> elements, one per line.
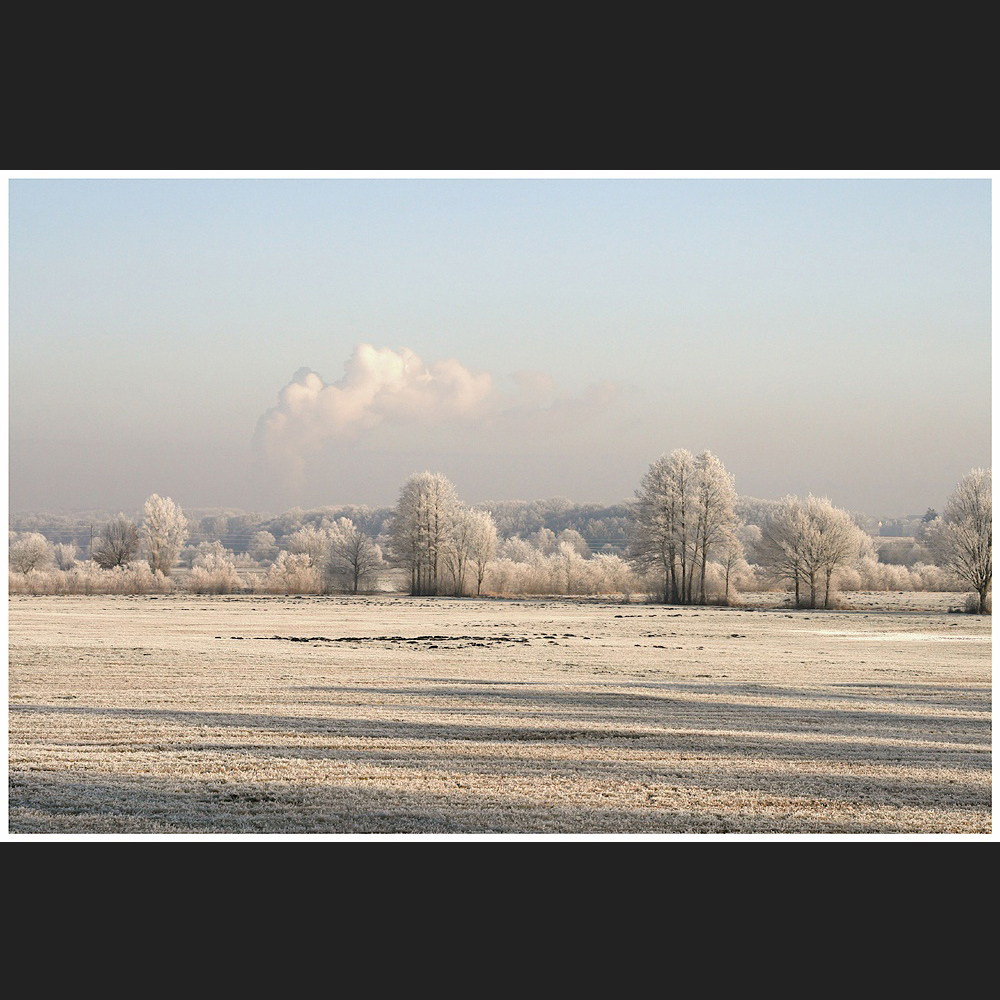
<point>686,538</point>
<point>682,521</point>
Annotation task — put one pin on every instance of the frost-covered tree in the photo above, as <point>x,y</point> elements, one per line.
<point>683,507</point>
<point>516,550</point>
<point>354,557</point>
<point>138,578</point>
<point>27,552</point>
<point>571,570</point>
<point>213,526</point>
<point>312,542</point>
<point>962,538</point>
<point>612,575</point>
<point>482,544</point>
<point>65,554</point>
<point>545,541</point>
<point>164,529</point>
<point>732,560</point>
<point>117,543</point>
<point>716,500</point>
<point>214,571</point>
<point>422,527</point>
<point>806,542</point>
<point>457,553</point>
<point>838,541</point>
<point>263,546</point>
<point>573,538</point>
<point>782,540</point>
<point>473,543</point>
<point>661,535</point>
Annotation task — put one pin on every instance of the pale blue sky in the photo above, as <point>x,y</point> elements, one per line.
<point>819,334</point>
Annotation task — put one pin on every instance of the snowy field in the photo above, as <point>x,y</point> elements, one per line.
<point>270,715</point>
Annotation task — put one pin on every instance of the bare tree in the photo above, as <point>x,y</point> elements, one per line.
<point>962,538</point>
<point>117,543</point>
<point>164,529</point>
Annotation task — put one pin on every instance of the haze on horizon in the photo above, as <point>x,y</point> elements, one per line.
<point>268,342</point>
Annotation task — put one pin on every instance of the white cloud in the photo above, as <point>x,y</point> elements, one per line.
<point>379,386</point>
<point>434,412</point>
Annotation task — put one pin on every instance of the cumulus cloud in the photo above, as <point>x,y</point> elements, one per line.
<point>379,385</point>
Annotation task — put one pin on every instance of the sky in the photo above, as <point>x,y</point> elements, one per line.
<point>267,340</point>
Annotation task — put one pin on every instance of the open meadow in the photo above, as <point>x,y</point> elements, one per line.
<point>251,715</point>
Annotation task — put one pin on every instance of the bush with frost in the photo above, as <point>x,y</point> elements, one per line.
<point>293,573</point>
<point>137,578</point>
<point>214,571</point>
<point>88,578</point>
<point>84,578</point>
<point>564,571</point>
<point>65,554</point>
<point>871,574</point>
<point>34,581</point>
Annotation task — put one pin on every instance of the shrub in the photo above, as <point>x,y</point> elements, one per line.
<point>88,578</point>
<point>214,571</point>
<point>292,573</point>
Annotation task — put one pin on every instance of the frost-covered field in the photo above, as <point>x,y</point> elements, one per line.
<point>393,715</point>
